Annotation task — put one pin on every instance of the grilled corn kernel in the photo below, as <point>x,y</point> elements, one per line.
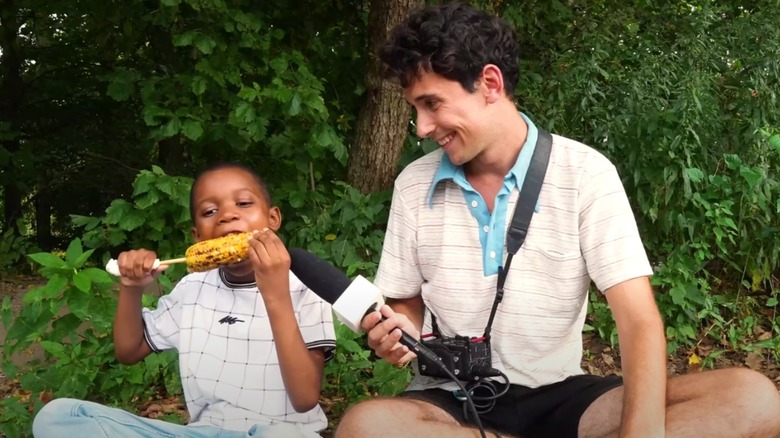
<point>213,253</point>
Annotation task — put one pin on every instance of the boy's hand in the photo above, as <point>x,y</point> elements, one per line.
<point>271,263</point>
<point>135,268</point>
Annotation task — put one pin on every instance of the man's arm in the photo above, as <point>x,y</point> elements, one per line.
<point>383,336</point>
<point>413,308</point>
<point>643,357</point>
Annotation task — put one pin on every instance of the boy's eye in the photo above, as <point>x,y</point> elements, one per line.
<point>244,203</point>
<point>209,212</point>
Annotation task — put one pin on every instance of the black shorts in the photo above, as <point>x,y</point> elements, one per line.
<point>548,411</point>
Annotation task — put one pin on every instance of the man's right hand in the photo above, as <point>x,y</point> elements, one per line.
<point>383,336</point>
<point>135,268</point>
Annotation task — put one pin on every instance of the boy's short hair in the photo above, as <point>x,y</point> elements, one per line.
<point>455,41</point>
<point>227,165</point>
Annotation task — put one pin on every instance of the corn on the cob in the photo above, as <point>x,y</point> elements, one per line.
<point>213,253</point>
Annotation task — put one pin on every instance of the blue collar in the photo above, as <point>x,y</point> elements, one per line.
<point>447,170</point>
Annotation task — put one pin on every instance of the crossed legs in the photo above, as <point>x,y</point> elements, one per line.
<point>728,403</point>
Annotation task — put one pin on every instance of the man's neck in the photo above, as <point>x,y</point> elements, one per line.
<point>502,152</point>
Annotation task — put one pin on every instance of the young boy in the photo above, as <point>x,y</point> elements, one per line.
<point>252,339</point>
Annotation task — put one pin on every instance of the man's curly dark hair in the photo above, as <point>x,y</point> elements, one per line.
<point>455,41</point>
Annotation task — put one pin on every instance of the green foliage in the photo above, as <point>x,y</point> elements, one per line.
<point>684,101</point>
<point>353,374</point>
<point>70,318</point>
<point>157,217</point>
<point>13,248</point>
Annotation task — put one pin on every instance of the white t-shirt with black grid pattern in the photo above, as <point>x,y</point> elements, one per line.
<point>227,357</point>
<point>584,230</point>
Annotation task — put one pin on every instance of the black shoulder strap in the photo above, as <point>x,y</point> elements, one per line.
<point>524,210</point>
<point>529,194</point>
<point>521,219</point>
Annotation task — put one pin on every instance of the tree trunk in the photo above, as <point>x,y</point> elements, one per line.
<point>43,218</point>
<point>10,103</point>
<point>383,121</point>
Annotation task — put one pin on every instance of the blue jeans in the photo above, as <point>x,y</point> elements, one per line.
<point>65,417</point>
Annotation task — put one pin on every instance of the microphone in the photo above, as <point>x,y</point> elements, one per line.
<point>351,300</point>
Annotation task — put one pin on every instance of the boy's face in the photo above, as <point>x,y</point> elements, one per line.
<point>230,200</point>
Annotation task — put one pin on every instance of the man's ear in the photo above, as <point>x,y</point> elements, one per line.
<point>274,218</point>
<point>493,83</point>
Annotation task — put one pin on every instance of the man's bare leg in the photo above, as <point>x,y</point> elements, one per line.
<point>728,403</point>
<point>399,417</point>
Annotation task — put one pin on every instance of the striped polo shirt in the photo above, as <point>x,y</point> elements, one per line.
<point>584,230</point>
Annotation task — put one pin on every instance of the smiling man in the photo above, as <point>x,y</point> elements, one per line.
<point>445,246</point>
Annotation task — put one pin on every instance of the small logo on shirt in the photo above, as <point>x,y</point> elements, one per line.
<point>230,320</point>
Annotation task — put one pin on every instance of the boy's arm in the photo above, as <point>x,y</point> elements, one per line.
<point>136,271</point>
<point>301,368</point>
<point>130,346</point>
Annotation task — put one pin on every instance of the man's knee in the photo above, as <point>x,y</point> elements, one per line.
<point>379,414</point>
<point>754,388</point>
<point>365,412</point>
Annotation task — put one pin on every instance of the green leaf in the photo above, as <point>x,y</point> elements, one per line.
<point>295,105</point>
<point>771,302</point>
<point>192,129</point>
<point>694,175</point>
<point>118,209</point>
<point>132,220</point>
<point>73,252</point>
<point>198,85</point>
<point>245,112</point>
<point>775,141</point>
<point>184,38</point>
<point>48,260</point>
<point>54,348</point>
<point>752,176</point>
<point>87,222</point>
<point>171,128</point>
<point>83,258</point>
<point>96,275</point>
<point>120,90</point>
<point>205,44</point>
<point>82,282</point>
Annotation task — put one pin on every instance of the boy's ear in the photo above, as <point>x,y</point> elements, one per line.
<point>274,218</point>
<point>195,234</point>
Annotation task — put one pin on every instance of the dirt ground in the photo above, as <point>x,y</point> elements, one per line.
<point>599,358</point>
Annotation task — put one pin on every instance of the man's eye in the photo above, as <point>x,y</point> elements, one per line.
<point>431,104</point>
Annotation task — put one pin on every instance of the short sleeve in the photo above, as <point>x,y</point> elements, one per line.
<point>609,237</point>
<point>315,321</point>
<point>162,325</point>
<point>399,275</point>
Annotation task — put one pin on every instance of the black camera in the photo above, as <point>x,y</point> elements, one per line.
<point>467,358</point>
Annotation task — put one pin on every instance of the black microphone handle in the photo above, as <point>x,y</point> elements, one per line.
<point>418,348</point>
<point>411,343</point>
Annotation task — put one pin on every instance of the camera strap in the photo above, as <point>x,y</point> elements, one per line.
<point>521,219</point>
<point>524,210</point>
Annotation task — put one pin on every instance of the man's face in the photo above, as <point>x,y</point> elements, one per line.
<point>449,115</point>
